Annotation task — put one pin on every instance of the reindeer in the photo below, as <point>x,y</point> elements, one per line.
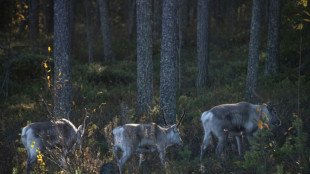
<point>235,119</point>
<point>46,136</point>
<point>141,138</point>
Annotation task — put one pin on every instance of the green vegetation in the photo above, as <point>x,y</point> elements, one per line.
<point>108,92</point>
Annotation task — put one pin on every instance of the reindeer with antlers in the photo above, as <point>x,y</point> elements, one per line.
<point>141,138</point>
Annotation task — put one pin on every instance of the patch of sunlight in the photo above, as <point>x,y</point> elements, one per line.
<point>96,68</point>
<point>23,106</point>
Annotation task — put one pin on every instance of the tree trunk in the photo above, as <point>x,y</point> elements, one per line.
<point>144,56</point>
<point>72,9</point>
<point>62,60</point>
<point>203,21</point>
<point>157,16</point>
<point>105,30</point>
<point>48,16</point>
<point>33,23</point>
<point>88,31</point>
<point>273,41</point>
<point>169,46</point>
<point>182,18</point>
<point>131,16</point>
<point>254,45</point>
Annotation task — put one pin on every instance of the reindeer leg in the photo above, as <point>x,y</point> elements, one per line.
<point>124,158</point>
<point>239,145</point>
<point>221,145</point>
<point>115,151</point>
<point>205,144</point>
<point>32,156</point>
<point>162,158</point>
<point>30,161</point>
<point>140,160</point>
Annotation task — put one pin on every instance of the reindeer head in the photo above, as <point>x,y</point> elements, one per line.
<point>272,114</point>
<point>80,132</point>
<point>269,110</point>
<point>79,136</point>
<point>173,131</point>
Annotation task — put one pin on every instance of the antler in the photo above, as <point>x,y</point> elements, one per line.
<point>181,118</point>
<point>164,117</point>
<point>86,116</point>
<point>258,96</point>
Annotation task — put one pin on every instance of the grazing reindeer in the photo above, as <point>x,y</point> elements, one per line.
<point>236,119</point>
<point>140,138</point>
<point>45,136</point>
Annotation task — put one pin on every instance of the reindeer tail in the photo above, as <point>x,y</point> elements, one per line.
<point>24,136</point>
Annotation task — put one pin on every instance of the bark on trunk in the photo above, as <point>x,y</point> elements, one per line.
<point>203,21</point>
<point>169,46</point>
<point>105,30</point>
<point>62,60</point>
<point>273,41</point>
<point>254,45</point>
<point>33,23</point>
<point>88,31</point>
<point>144,56</point>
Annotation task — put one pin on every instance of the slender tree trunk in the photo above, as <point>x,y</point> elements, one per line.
<point>131,18</point>
<point>169,46</point>
<point>203,21</point>
<point>72,10</point>
<point>88,31</point>
<point>254,45</point>
<point>157,16</point>
<point>144,56</point>
<point>105,30</point>
<point>48,16</point>
<point>33,23</point>
<point>62,60</point>
<point>273,41</point>
<point>182,23</point>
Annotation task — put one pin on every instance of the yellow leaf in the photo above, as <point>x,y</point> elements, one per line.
<point>260,124</point>
<point>59,74</point>
<point>307,13</point>
<point>264,104</point>
<point>300,26</point>
<point>304,3</point>
<point>49,71</point>
<point>25,6</point>
<point>100,92</point>
<point>259,109</point>
<point>48,77</point>
<point>73,103</point>
<point>265,115</point>
<point>270,144</point>
<point>45,65</point>
<point>266,125</point>
<point>49,49</point>
<point>307,20</point>
<point>290,128</point>
<point>95,126</point>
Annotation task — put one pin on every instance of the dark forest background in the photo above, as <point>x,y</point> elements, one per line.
<point>125,60</point>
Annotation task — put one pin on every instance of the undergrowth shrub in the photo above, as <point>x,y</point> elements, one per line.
<point>268,156</point>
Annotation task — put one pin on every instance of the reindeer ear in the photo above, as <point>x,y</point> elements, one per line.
<point>80,131</point>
